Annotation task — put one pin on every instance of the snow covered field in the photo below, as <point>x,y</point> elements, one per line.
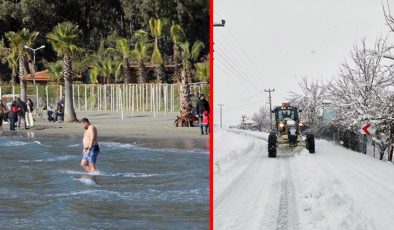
<point>333,189</point>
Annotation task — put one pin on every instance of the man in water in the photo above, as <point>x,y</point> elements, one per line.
<point>91,148</point>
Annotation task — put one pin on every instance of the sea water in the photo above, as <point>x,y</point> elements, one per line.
<point>137,186</point>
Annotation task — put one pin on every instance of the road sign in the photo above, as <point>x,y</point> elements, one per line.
<point>365,129</point>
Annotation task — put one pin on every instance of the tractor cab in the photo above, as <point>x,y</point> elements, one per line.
<point>286,115</point>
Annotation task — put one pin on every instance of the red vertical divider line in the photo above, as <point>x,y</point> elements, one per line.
<point>211,128</point>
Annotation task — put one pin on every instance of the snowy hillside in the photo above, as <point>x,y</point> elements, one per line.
<point>333,189</point>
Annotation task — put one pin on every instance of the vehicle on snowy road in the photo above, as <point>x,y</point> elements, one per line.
<point>287,130</point>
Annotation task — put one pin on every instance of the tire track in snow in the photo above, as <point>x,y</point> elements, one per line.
<point>287,216</point>
<point>282,213</point>
<point>219,200</point>
<point>241,205</point>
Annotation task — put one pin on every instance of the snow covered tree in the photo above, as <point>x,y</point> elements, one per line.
<point>359,93</point>
<point>388,17</point>
<point>310,100</point>
<point>363,91</point>
<point>262,118</point>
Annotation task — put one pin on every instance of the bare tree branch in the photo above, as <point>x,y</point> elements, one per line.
<point>388,17</point>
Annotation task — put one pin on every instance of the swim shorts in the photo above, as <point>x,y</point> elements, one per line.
<point>93,154</point>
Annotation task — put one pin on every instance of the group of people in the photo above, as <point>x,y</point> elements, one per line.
<point>56,114</point>
<point>16,112</point>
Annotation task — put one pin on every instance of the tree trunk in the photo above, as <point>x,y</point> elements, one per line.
<point>175,54</point>
<point>13,76</point>
<point>141,72</point>
<point>186,103</point>
<point>69,112</point>
<point>390,147</point>
<point>159,73</point>
<point>23,83</point>
<point>126,71</point>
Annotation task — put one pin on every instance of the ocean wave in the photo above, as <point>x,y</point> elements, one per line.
<point>62,158</point>
<point>86,180</point>
<point>39,143</point>
<point>150,194</point>
<point>14,143</point>
<point>100,173</point>
<point>21,143</point>
<point>136,147</point>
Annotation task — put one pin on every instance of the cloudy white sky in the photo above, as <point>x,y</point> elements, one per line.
<point>273,44</point>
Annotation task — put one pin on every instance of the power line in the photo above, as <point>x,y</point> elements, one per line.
<point>230,50</point>
<point>250,65</point>
<point>238,64</point>
<point>245,99</point>
<point>251,62</point>
<point>230,72</point>
<point>233,65</point>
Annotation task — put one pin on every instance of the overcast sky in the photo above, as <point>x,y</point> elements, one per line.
<point>273,44</point>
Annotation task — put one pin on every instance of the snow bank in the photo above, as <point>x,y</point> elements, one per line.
<point>230,146</point>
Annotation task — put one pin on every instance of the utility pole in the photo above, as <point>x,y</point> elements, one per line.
<point>269,91</point>
<point>220,24</point>
<point>221,114</point>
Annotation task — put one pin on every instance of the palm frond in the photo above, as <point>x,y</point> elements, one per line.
<point>196,50</point>
<point>176,32</point>
<point>157,58</point>
<point>64,38</point>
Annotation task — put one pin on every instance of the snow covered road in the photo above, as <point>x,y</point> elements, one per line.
<point>333,189</point>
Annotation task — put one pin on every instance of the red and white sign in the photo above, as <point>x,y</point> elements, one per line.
<point>365,129</point>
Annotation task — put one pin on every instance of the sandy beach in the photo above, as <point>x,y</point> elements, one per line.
<point>140,127</point>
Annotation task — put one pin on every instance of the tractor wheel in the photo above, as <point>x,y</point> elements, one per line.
<point>310,143</point>
<point>272,145</point>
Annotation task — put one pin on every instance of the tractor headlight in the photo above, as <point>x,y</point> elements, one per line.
<point>281,125</point>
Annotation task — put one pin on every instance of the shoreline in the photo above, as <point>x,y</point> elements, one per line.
<point>142,128</point>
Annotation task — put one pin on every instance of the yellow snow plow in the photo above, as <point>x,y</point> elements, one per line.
<point>287,130</point>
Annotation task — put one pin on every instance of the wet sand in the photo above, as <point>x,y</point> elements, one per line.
<point>134,127</point>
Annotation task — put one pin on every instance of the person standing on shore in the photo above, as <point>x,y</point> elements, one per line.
<point>29,113</point>
<point>3,111</point>
<point>90,148</point>
<point>201,107</point>
<point>22,108</point>
<point>12,115</point>
<point>205,122</point>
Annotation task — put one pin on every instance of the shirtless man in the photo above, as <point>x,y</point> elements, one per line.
<point>91,148</point>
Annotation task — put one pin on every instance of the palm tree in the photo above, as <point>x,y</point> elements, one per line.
<point>55,70</point>
<point>8,55</point>
<point>107,68</point>
<point>156,28</point>
<point>188,57</point>
<point>140,52</point>
<point>12,61</point>
<point>108,63</point>
<point>202,71</point>
<point>177,36</point>
<point>18,41</point>
<point>64,38</point>
<point>123,48</point>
